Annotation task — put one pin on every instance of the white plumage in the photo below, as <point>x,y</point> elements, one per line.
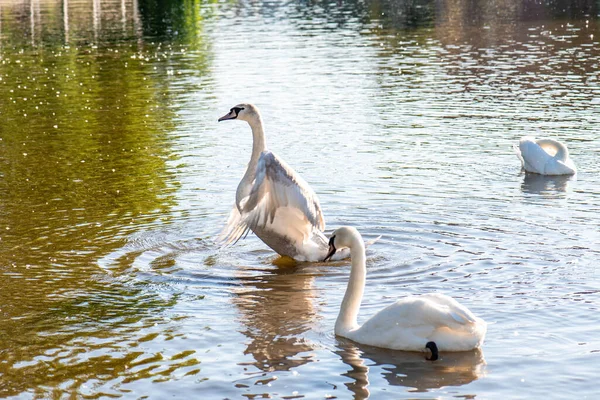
<point>408,324</point>
<point>275,202</point>
<point>544,156</point>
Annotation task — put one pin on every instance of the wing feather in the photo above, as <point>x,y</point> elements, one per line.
<point>277,185</point>
<point>446,310</point>
<point>234,229</point>
<point>428,311</point>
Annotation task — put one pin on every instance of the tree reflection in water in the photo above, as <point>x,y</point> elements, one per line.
<point>84,153</point>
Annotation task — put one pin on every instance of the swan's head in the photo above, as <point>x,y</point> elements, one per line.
<point>346,236</point>
<point>245,112</point>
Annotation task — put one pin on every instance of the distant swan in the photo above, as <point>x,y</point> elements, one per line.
<point>275,202</point>
<point>415,323</point>
<point>544,156</point>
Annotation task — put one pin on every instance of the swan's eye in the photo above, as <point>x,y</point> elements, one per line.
<point>237,110</point>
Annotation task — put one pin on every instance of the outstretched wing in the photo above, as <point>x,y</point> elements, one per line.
<point>276,186</point>
<point>234,229</point>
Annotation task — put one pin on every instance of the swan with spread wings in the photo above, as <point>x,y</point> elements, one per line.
<point>273,201</point>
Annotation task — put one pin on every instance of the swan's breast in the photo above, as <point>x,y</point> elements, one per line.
<point>281,244</point>
<point>292,235</point>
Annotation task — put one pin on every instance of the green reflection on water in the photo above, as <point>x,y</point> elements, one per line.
<point>87,110</point>
<point>85,151</point>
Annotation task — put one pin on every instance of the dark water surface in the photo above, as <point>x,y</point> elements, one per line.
<point>115,179</point>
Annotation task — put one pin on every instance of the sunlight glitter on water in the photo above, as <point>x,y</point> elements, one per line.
<point>402,123</point>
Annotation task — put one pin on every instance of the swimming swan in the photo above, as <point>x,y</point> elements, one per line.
<point>544,156</point>
<point>415,323</point>
<point>274,201</point>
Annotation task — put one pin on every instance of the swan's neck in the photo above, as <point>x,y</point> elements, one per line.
<point>347,318</point>
<point>561,150</point>
<point>258,146</point>
<point>259,143</point>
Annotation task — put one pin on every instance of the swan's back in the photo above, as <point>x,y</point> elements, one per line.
<point>544,156</point>
<point>410,323</point>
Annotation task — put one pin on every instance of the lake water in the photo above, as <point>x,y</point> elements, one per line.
<point>115,179</point>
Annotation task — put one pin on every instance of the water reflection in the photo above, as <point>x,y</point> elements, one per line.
<point>68,21</point>
<point>85,148</point>
<point>408,369</point>
<point>39,22</point>
<point>452,18</point>
<point>91,101</point>
<point>545,184</point>
<point>276,309</point>
<point>66,343</point>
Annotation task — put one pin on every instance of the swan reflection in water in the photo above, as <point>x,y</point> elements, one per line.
<point>276,308</point>
<point>545,184</point>
<point>410,369</point>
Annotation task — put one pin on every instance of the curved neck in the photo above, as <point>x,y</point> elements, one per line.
<point>258,146</point>
<point>561,153</point>
<point>347,318</point>
<point>561,150</point>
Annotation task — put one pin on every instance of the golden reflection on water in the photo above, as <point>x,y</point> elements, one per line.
<point>276,309</point>
<point>89,101</point>
<point>84,149</point>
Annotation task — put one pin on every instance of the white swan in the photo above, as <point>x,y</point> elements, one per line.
<point>274,202</point>
<point>544,156</point>
<point>415,323</point>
